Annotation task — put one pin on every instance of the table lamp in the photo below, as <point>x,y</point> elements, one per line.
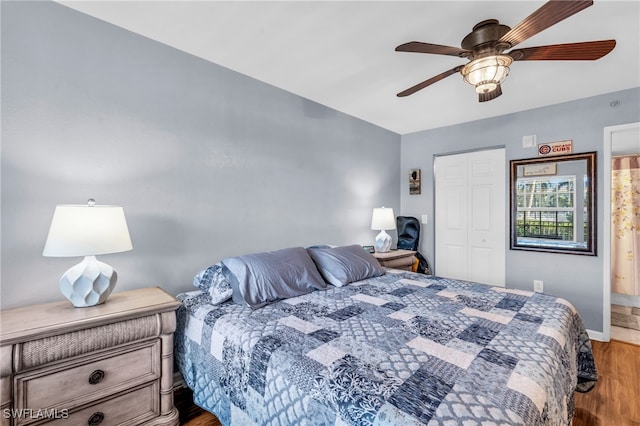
<point>87,230</point>
<point>382,220</point>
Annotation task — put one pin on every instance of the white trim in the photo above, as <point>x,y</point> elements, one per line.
<point>178,381</point>
<point>606,228</point>
<point>542,209</point>
<point>596,335</point>
<point>625,300</point>
<point>606,236</point>
<point>464,151</point>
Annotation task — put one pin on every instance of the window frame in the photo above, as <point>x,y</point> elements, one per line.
<point>585,165</point>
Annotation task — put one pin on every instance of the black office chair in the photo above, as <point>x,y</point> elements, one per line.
<point>408,228</point>
<point>408,232</point>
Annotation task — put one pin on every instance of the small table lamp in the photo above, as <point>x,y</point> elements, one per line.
<point>87,230</point>
<point>381,220</point>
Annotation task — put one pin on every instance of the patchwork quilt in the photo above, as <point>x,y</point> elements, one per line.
<point>400,349</point>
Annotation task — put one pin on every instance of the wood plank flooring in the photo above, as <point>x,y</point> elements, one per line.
<point>615,400</point>
<point>191,414</point>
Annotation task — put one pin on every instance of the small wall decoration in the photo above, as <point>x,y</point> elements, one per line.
<point>414,182</point>
<point>555,148</point>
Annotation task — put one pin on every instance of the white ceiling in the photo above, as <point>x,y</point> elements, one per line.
<point>341,53</point>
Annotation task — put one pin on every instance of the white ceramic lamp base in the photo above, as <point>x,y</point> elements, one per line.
<point>88,283</point>
<point>382,242</point>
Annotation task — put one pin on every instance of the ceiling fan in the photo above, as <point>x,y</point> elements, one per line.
<point>485,48</point>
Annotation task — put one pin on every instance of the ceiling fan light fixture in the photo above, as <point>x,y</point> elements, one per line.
<point>486,73</point>
<point>484,47</point>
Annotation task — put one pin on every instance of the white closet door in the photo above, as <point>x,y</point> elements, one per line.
<point>451,221</point>
<point>470,221</point>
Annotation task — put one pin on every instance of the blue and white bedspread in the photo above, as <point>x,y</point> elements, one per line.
<point>400,349</point>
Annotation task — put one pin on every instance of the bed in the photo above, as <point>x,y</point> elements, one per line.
<point>375,346</point>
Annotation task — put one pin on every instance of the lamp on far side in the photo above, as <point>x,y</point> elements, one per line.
<point>382,220</point>
<point>87,230</point>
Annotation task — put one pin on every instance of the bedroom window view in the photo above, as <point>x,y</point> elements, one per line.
<point>546,210</point>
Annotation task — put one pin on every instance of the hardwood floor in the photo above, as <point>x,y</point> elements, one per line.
<point>191,414</point>
<point>615,400</point>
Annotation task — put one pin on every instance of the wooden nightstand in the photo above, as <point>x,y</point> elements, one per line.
<point>396,259</point>
<point>109,364</point>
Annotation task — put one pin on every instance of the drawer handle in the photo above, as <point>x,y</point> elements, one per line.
<point>96,418</point>
<point>96,377</point>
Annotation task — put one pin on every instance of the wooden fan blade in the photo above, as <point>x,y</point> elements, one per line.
<point>419,86</point>
<point>549,14</point>
<point>436,49</point>
<point>585,51</point>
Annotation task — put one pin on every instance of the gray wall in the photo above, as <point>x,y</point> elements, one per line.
<point>207,162</point>
<point>574,277</point>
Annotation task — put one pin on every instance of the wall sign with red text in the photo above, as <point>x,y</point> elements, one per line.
<point>555,148</point>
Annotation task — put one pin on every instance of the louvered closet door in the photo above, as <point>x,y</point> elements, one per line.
<point>470,218</point>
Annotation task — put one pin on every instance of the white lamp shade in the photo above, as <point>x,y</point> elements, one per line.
<point>82,230</point>
<point>383,219</point>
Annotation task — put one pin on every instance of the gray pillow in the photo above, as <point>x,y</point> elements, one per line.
<point>261,278</point>
<point>343,265</point>
<point>213,281</point>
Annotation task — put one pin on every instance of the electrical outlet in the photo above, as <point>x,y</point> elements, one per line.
<point>538,286</point>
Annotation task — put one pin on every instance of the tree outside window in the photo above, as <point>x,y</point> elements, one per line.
<point>546,208</point>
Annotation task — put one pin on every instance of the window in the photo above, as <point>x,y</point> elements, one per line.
<point>553,204</point>
<point>546,208</point>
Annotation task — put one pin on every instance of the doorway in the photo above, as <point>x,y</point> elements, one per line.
<point>619,141</point>
<point>470,231</point>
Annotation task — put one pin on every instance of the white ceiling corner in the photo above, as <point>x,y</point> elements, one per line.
<point>341,53</point>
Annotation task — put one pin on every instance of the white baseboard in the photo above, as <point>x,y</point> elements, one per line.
<point>596,335</point>
<point>178,381</point>
<point>625,300</point>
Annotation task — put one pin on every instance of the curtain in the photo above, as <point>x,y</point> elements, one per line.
<point>625,225</point>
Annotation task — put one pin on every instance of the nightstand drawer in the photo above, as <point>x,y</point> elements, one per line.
<point>80,381</point>
<point>404,263</point>
<point>397,259</point>
<point>111,363</point>
<point>130,408</point>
